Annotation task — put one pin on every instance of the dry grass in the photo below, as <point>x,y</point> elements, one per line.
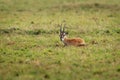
<point>30,47</point>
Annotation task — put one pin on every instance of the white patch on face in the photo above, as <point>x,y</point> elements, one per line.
<point>62,39</point>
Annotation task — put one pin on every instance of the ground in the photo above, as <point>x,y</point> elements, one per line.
<point>30,48</point>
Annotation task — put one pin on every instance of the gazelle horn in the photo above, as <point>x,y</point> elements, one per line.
<point>64,28</point>
<point>60,28</point>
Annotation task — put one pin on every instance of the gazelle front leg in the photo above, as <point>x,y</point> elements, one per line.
<point>65,44</point>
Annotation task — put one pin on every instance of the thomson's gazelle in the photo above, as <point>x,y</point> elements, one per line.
<point>70,41</point>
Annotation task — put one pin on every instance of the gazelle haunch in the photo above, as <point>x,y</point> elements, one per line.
<point>70,41</point>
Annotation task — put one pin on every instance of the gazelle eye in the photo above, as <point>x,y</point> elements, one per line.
<point>63,33</point>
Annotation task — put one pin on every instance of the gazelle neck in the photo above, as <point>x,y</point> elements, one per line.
<point>65,37</point>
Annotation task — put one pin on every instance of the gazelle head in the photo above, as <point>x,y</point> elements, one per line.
<point>62,33</point>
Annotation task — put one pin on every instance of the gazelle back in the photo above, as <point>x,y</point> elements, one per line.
<point>70,41</point>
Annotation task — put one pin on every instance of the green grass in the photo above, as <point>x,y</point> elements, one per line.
<point>30,48</point>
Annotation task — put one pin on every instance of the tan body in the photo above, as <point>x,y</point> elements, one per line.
<point>73,41</point>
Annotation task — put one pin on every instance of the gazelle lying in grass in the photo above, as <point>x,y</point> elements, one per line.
<point>70,41</point>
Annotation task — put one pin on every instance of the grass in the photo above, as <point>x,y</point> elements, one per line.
<point>30,48</point>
